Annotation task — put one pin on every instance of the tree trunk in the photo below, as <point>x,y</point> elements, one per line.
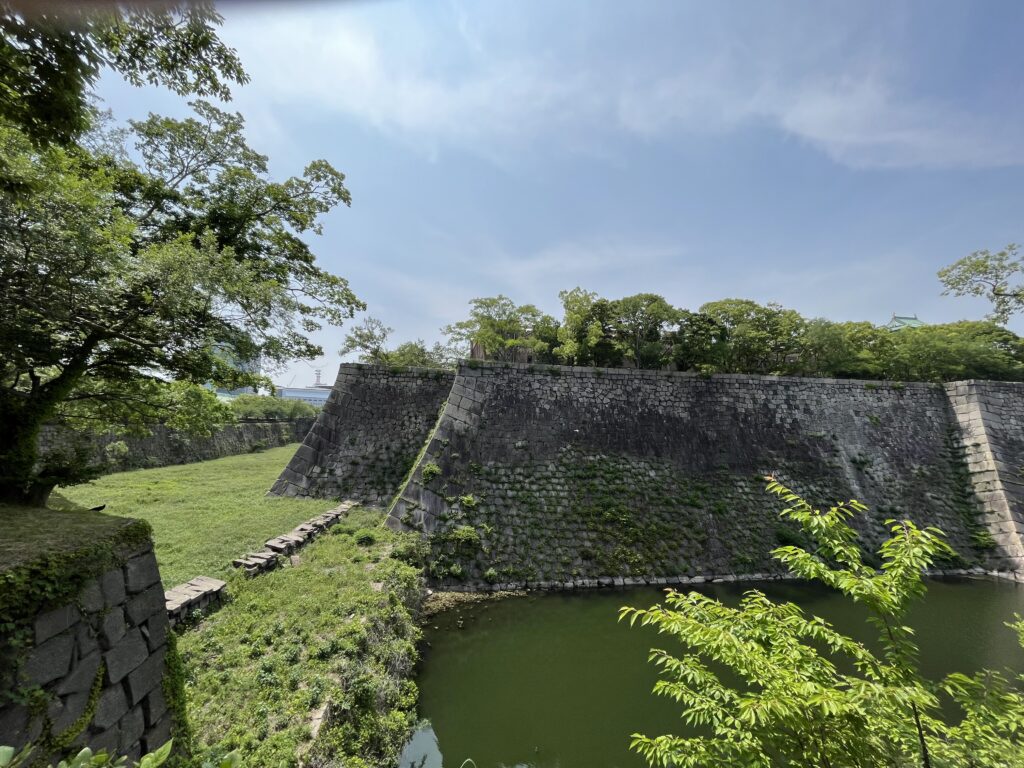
<point>19,454</point>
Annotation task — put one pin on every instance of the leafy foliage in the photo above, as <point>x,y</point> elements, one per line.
<point>738,336</point>
<point>995,276</point>
<point>117,278</point>
<point>51,59</point>
<point>808,695</point>
<point>505,331</point>
<point>266,407</point>
<point>370,337</point>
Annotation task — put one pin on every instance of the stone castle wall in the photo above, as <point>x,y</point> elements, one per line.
<point>557,474</point>
<point>991,415</point>
<point>166,447</point>
<point>368,435</point>
<point>99,661</point>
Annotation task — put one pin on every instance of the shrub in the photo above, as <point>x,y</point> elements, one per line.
<point>465,536</point>
<point>490,576</point>
<point>430,471</point>
<point>804,693</point>
<point>365,537</point>
<point>266,407</point>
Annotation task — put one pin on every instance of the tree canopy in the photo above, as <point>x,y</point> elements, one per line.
<point>51,57</point>
<point>118,277</point>
<point>998,277</point>
<point>370,339</point>
<point>734,336</point>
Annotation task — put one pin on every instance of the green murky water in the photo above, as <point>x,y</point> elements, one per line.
<point>553,681</point>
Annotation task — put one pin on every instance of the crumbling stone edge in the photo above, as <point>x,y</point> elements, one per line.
<point>204,593</point>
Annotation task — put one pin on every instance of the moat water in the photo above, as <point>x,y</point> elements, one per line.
<point>554,681</point>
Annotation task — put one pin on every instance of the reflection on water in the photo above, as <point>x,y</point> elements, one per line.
<point>554,681</point>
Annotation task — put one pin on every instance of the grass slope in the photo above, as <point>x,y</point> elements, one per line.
<point>337,629</point>
<point>203,515</point>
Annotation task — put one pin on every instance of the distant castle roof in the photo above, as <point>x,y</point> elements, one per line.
<point>899,322</point>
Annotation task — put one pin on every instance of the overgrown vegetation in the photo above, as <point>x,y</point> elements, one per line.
<point>266,407</point>
<point>203,515</point>
<point>370,340</point>
<point>797,692</point>
<point>333,637</point>
<point>735,336</point>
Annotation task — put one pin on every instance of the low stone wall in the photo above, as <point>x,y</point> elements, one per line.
<point>368,435</point>
<point>94,667</point>
<point>166,447</point>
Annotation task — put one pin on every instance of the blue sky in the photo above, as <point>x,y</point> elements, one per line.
<point>829,156</point>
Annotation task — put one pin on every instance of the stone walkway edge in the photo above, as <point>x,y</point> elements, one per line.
<point>204,592</point>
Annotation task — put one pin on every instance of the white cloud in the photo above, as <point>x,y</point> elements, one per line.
<point>438,79</point>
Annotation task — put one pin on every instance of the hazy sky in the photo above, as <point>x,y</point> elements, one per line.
<point>829,156</point>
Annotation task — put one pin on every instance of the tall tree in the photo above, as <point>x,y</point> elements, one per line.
<point>639,324</point>
<point>52,54</point>
<point>505,330</point>
<point>586,333</point>
<point>369,339</point>
<point>762,339</point>
<point>698,342</point>
<point>117,277</point>
<point>999,277</point>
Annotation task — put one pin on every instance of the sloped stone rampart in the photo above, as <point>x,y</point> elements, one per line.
<point>557,474</point>
<point>992,436</point>
<point>368,435</point>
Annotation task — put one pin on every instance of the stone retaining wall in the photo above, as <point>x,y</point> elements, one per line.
<point>100,658</point>
<point>167,447</point>
<point>368,435</point>
<point>992,417</point>
<point>555,474</point>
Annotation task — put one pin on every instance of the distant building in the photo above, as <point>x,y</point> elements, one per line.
<point>315,395</point>
<point>899,322</point>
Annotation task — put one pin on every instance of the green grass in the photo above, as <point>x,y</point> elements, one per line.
<point>203,515</point>
<point>335,628</point>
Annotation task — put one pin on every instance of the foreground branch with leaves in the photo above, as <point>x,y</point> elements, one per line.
<point>806,695</point>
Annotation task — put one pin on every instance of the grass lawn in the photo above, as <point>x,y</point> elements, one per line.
<point>335,629</point>
<point>203,515</point>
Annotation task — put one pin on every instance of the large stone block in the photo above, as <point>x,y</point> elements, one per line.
<point>146,677</point>
<point>49,661</point>
<point>82,675</point>
<point>112,586</point>
<point>154,705</point>
<point>127,655</point>
<point>157,735</point>
<point>91,598</point>
<point>56,621</point>
<point>145,604</point>
<point>112,628</point>
<point>141,572</point>
<point>72,707</point>
<point>111,707</point>
<point>155,631</point>
<point>133,725</point>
